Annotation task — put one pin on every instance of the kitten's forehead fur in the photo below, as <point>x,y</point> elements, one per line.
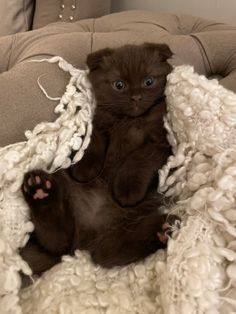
<point>140,58</point>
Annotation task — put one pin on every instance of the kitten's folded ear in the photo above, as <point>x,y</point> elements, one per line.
<point>162,49</point>
<point>95,59</point>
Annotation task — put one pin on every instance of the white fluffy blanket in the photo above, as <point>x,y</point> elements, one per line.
<point>197,274</point>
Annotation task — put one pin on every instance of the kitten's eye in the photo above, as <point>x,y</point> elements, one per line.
<point>118,85</point>
<point>149,81</point>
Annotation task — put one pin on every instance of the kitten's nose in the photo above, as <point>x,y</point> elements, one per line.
<point>136,98</point>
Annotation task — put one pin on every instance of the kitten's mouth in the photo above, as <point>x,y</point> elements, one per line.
<point>137,111</point>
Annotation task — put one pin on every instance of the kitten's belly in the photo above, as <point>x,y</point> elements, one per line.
<point>94,208</point>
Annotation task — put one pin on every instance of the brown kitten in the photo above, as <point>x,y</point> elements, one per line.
<point>107,203</point>
<point>129,87</point>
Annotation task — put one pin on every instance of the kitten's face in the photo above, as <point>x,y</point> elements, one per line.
<point>129,80</point>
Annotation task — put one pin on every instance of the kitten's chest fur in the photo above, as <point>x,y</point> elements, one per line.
<point>128,134</point>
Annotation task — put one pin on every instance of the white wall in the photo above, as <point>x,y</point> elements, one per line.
<point>219,10</point>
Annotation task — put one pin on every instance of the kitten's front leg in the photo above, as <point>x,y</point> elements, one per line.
<point>136,173</point>
<point>92,162</point>
<point>45,196</point>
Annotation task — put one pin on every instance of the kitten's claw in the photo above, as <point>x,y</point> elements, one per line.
<point>36,185</point>
<point>163,238</point>
<point>168,227</point>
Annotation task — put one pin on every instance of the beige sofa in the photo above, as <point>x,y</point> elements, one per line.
<point>209,46</point>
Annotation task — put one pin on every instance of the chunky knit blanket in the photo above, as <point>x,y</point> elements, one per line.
<point>197,273</point>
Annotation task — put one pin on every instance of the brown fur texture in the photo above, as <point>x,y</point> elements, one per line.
<point>107,203</point>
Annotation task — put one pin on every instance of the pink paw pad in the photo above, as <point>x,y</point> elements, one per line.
<point>163,236</point>
<point>40,194</point>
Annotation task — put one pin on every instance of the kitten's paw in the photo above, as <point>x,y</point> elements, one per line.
<point>37,185</point>
<point>172,223</point>
<point>128,190</point>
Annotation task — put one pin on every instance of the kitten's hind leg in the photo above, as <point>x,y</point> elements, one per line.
<point>38,259</point>
<point>49,209</point>
<point>38,187</point>
<point>139,234</point>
